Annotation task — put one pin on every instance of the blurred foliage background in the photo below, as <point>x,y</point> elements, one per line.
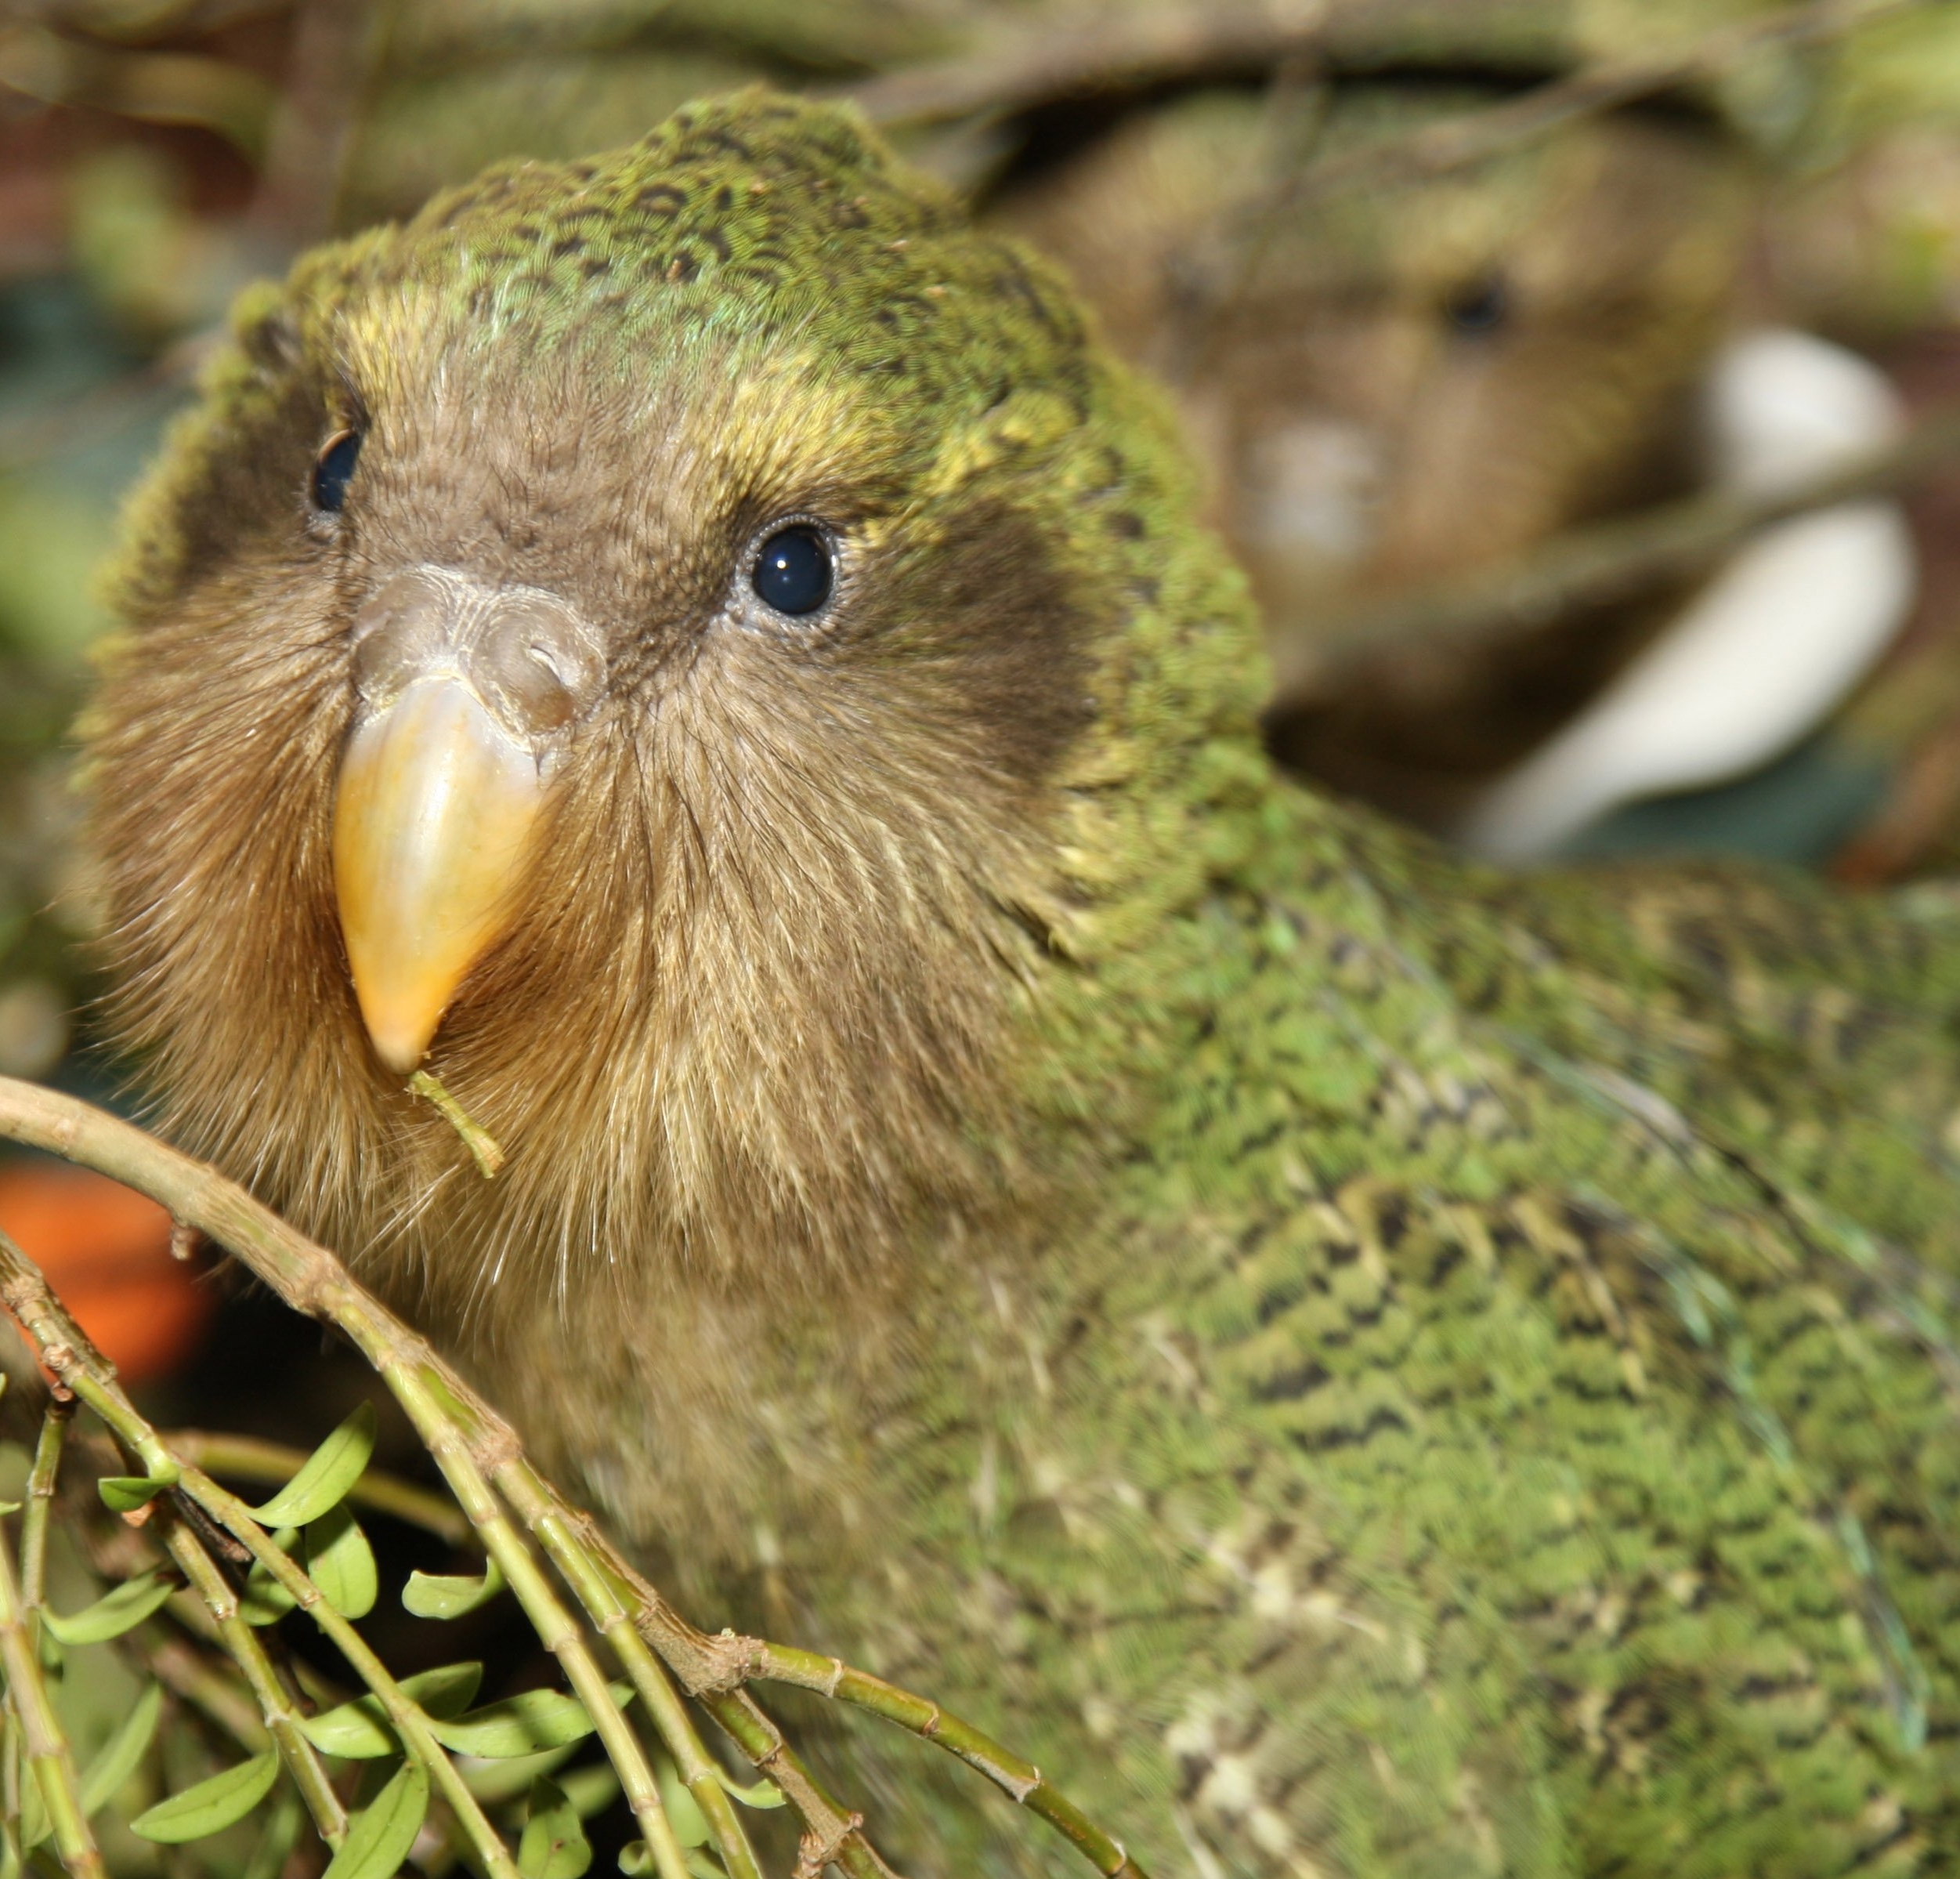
<point>1489,320</point>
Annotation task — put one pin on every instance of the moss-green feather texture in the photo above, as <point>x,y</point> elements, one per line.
<point>1359,1366</point>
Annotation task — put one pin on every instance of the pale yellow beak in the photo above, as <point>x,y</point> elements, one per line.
<point>432,830</point>
<point>466,695</point>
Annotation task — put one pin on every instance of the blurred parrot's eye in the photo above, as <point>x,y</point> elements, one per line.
<point>332,470</point>
<point>793,571</point>
<point>1479,306</point>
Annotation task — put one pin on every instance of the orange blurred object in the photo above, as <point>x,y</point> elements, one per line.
<point>106,1252</point>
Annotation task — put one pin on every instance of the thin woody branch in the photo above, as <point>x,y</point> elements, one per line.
<point>1133,48</point>
<point>1591,566</point>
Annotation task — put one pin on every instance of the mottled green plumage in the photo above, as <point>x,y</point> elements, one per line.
<point>1358,1365</point>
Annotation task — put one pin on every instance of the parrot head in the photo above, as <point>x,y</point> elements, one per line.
<point>686,648</point>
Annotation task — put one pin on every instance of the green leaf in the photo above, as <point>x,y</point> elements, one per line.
<point>265,1600</point>
<point>213,1805</point>
<point>763,1793</point>
<point>554,1846</point>
<point>118,1759</point>
<point>125,1494</point>
<point>342,1563</point>
<point>356,1732</point>
<point>359,1730</point>
<point>495,1781</point>
<point>448,1595</point>
<point>110,1615</point>
<point>281,1835</point>
<point>591,1790</point>
<point>380,1835</point>
<point>636,1857</point>
<point>447,1691</point>
<point>9,1507</point>
<point>523,1724</point>
<point>704,1865</point>
<point>326,1476</point>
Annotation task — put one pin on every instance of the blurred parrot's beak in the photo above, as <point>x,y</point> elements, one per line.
<point>465,697</point>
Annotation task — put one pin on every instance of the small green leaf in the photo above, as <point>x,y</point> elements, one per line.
<point>118,1611</point>
<point>523,1724</point>
<point>380,1835</point>
<point>356,1732</point>
<point>636,1857</point>
<point>9,1507</point>
<point>280,1836</point>
<point>342,1563</point>
<point>447,1691</point>
<point>125,1494</point>
<point>495,1781</point>
<point>327,1475</point>
<point>213,1805</point>
<point>683,1811</point>
<point>763,1793</point>
<point>703,1865</point>
<point>554,1846</point>
<point>118,1759</point>
<point>449,1595</point>
<point>265,1600</point>
<point>360,1731</point>
<point>591,1790</point>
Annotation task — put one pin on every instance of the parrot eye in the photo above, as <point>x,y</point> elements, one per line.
<point>333,468</point>
<point>1478,307</point>
<point>792,571</point>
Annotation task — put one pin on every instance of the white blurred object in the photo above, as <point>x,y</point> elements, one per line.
<point>1773,641</point>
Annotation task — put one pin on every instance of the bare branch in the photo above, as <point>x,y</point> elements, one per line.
<point>1589,566</point>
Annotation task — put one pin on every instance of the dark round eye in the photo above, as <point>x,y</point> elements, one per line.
<point>1479,306</point>
<point>793,571</point>
<point>333,469</point>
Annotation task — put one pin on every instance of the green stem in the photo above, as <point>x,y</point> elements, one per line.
<point>47,1748</point>
<point>555,1626</point>
<point>33,1519</point>
<point>1019,1779</point>
<point>572,1556</point>
<point>275,1702</point>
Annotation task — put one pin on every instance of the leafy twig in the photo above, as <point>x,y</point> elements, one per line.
<point>481,1145</point>
<point>552,1622</point>
<point>460,1426</point>
<point>50,1760</point>
<point>250,1459</point>
<point>275,1704</point>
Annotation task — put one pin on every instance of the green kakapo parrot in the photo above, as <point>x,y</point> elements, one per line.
<point>1359,1366</point>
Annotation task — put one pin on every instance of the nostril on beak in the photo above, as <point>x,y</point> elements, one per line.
<point>537,662</point>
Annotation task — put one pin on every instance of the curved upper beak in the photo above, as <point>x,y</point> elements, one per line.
<point>465,697</point>
<point>433,826</point>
